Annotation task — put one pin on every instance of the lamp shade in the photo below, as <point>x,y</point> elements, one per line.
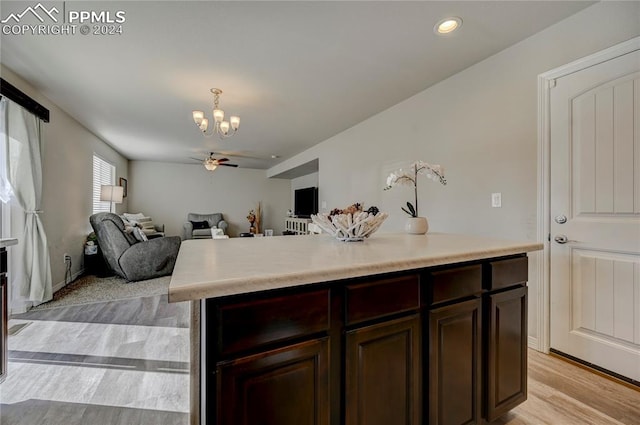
<point>111,193</point>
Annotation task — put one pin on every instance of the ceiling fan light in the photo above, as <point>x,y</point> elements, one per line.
<point>198,116</point>
<point>224,127</point>
<point>210,164</point>
<point>218,115</point>
<point>235,121</point>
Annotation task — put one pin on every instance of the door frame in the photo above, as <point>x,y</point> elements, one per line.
<point>546,81</point>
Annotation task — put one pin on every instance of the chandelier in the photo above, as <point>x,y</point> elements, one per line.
<point>220,127</point>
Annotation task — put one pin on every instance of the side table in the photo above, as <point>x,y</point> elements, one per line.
<point>94,264</point>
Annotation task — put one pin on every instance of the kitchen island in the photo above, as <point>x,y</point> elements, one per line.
<point>398,329</point>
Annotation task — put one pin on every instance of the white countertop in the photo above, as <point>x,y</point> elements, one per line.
<point>208,268</point>
<point>8,242</point>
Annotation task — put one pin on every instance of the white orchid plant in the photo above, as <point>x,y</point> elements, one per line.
<point>402,177</point>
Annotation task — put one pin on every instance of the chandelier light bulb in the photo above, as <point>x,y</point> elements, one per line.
<point>234,121</point>
<point>198,116</point>
<point>224,127</point>
<point>204,124</point>
<point>218,115</point>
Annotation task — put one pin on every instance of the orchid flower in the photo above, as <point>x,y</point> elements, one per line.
<point>402,177</point>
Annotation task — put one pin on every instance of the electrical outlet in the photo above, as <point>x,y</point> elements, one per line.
<point>66,258</point>
<point>496,200</point>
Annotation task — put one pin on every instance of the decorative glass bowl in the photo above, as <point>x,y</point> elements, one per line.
<point>350,227</point>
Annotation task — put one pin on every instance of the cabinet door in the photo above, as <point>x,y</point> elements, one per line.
<point>285,386</point>
<point>506,351</point>
<point>454,363</point>
<point>383,373</point>
<point>3,327</point>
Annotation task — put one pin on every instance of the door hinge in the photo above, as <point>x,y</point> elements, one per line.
<point>552,83</point>
<point>549,237</point>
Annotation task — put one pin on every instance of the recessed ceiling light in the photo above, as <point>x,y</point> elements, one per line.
<point>447,25</point>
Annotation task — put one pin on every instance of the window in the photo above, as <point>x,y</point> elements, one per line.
<point>104,173</point>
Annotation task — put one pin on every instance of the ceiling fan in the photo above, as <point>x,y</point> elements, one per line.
<point>211,163</point>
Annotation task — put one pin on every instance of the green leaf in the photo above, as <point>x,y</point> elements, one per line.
<point>413,210</point>
<point>411,214</point>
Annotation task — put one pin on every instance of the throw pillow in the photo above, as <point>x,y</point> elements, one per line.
<point>128,227</point>
<point>134,217</point>
<point>146,223</point>
<point>200,224</point>
<point>140,220</point>
<point>139,234</point>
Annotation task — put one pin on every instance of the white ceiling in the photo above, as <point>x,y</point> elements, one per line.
<point>297,73</point>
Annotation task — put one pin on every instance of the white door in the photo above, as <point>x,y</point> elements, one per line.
<point>595,187</point>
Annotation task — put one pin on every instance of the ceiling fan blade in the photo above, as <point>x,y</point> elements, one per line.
<point>196,159</point>
<point>229,165</point>
<point>222,159</point>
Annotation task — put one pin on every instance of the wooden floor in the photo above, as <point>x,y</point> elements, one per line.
<point>133,358</point>
<point>563,393</point>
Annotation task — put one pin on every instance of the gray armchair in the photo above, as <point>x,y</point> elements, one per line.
<point>212,220</point>
<point>130,258</point>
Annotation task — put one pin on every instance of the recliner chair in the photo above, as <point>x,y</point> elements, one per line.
<point>132,259</point>
<point>212,220</point>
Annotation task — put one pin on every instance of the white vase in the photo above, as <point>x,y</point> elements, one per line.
<point>416,225</point>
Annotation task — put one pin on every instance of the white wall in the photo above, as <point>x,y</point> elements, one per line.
<point>67,149</point>
<point>309,180</point>
<point>480,124</point>
<point>168,192</point>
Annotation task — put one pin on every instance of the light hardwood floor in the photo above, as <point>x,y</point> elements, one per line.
<point>126,362</point>
<point>562,393</point>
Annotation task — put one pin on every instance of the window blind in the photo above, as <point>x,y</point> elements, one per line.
<point>104,173</point>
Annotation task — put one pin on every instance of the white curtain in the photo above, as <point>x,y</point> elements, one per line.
<point>21,179</point>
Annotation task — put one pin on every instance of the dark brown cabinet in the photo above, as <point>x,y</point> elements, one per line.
<point>382,379</point>
<point>454,363</point>
<point>506,351</point>
<point>285,386</point>
<point>4,319</point>
<point>455,345</point>
<point>442,345</point>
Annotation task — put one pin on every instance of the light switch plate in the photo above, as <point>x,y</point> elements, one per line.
<point>496,200</point>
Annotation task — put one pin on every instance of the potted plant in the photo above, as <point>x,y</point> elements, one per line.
<point>415,224</point>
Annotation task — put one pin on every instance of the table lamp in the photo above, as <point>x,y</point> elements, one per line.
<point>111,194</point>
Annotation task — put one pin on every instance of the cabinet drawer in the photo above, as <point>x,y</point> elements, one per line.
<point>381,298</point>
<point>455,283</point>
<point>243,326</point>
<point>511,272</point>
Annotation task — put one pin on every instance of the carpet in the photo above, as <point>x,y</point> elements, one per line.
<point>92,289</point>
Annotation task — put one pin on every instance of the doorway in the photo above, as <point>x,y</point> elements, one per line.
<point>592,216</point>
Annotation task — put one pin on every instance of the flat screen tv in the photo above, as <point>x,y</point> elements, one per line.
<point>305,202</point>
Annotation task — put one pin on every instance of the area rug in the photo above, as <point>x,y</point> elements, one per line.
<point>91,289</point>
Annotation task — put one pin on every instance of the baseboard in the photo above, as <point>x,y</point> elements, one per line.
<point>58,286</point>
<point>26,305</point>
<point>533,343</point>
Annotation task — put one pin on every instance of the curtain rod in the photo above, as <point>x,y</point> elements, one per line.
<point>13,93</point>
